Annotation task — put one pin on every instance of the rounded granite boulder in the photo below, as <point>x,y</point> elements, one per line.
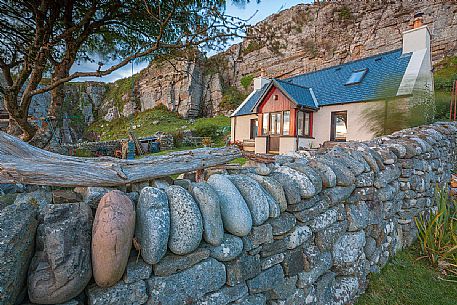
<point>210,207</point>
<point>230,248</point>
<point>307,189</point>
<point>112,235</point>
<point>186,226</point>
<point>255,197</point>
<point>234,210</point>
<point>152,224</point>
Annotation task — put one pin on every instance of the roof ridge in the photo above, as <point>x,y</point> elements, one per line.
<point>346,63</point>
<point>289,83</point>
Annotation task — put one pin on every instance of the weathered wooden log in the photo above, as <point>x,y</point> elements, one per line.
<point>23,163</point>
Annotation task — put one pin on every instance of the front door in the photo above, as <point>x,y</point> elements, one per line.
<point>339,126</point>
<point>275,132</point>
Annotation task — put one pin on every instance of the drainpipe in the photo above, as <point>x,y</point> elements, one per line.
<point>296,129</point>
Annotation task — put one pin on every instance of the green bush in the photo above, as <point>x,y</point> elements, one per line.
<point>252,46</point>
<point>437,234</point>
<point>81,152</point>
<point>232,98</point>
<point>246,81</point>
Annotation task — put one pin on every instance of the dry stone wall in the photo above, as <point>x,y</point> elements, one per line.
<point>304,230</point>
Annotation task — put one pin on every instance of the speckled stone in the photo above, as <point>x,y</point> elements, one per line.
<point>274,188</point>
<point>312,174</point>
<point>234,210</point>
<point>186,226</point>
<point>229,249</point>
<point>210,207</point>
<point>327,174</point>
<point>152,224</point>
<point>255,197</point>
<point>291,187</point>
<point>307,189</point>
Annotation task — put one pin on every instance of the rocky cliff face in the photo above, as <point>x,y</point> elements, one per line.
<point>298,40</point>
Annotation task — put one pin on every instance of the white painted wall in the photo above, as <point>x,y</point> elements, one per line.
<point>241,127</point>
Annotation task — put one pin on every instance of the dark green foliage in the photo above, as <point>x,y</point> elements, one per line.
<point>232,98</point>
<point>445,74</point>
<point>119,89</point>
<point>253,45</point>
<point>345,13</point>
<point>246,81</point>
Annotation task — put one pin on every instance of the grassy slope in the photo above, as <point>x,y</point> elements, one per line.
<point>445,73</point>
<point>166,121</point>
<point>407,281</point>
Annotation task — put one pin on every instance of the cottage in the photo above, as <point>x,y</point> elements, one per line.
<point>284,115</point>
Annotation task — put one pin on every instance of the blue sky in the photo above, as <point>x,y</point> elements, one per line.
<point>258,12</point>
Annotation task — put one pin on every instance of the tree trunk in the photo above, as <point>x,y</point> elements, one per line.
<point>17,117</point>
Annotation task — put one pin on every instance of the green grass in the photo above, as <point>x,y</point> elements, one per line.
<point>405,280</point>
<point>159,119</point>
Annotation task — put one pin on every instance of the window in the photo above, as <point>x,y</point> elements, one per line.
<point>304,123</point>
<point>254,127</point>
<point>286,123</point>
<point>275,123</point>
<point>356,77</point>
<point>265,121</point>
<point>275,97</point>
<point>339,126</point>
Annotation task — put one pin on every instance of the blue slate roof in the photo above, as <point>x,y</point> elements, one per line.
<point>382,80</point>
<point>298,93</point>
<point>384,75</point>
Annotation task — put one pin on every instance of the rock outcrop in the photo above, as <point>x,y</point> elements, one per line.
<point>61,267</point>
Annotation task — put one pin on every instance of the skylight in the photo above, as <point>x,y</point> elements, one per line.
<point>356,77</point>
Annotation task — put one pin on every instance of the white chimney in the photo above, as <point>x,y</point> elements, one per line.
<point>259,82</point>
<point>418,38</point>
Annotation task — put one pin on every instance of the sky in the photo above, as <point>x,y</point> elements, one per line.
<point>253,10</point>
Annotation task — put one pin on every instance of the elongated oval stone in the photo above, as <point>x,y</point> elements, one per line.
<point>255,197</point>
<point>186,227</point>
<point>152,224</point>
<point>112,235</point>
<point>210,207</point>
<point>234,210</point>
<point>307,189</point>
<point>274,188</point>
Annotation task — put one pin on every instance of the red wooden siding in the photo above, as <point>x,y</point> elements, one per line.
<point>269,104</point>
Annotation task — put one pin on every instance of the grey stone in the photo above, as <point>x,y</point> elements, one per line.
<point>171,263</point>
<point>326,238</point>
<point>259,235</point>
<point>324,220</point>
<point>210,207</point>
<point>65,196</point>
<point>184,183</point>
<point>370,247</point>
<point>243,268</point>
<point>299,235</point>
<point>339,193</point>
<point>357,216</point>
<point>275,247</point>
<point>152,224</point>
<point>389,174</point>
<point>270,261</point>
<point>255,299</point>
<point>282,224</point>
<point>294,262</point>
<point>344,290</point>
<point>262,169</point>
<point>119,294</point>
<point>61,267</point>
<point>327,174</point>
<point>230,248</point>
<point>274,188</point>
<point>18,224</point>
<point>284,290</point>
<point>291,187</point>
<point>255,197</point>
<point>348,248</point>
<point>266,280</point>
<point>312,174</point>
<point>225,295</point>
<point>40,198</point>
<point>136,270</point>
<point>186,227</point>
<point>324,263</point>
<point>189,285</point>
<point>307,189</point>
<point>92,195</point>
<point>234,210</point>
<point>344,176</point>
<point>303,204</point>
<point>365,180</point>
<point>324,288</point>
<point>308,214</point>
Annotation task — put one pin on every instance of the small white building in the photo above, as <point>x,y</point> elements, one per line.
<point>306,110</point>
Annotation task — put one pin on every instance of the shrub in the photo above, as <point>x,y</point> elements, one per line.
<point>81,152</point>
<point>252,46</point>
<point>246,81</point>
<point>437,234</point>
<point>232,98</point>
